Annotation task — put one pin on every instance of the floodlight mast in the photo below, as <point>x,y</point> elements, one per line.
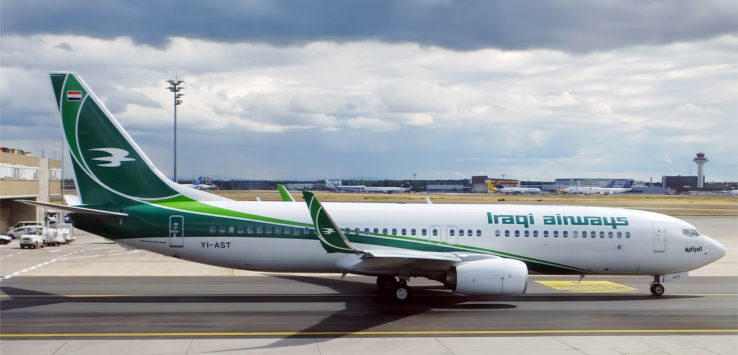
<point>175,88</point>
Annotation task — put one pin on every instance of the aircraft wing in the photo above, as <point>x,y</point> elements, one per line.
<point>378,261</point>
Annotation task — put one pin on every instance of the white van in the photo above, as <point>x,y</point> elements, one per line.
<point>23,227</point>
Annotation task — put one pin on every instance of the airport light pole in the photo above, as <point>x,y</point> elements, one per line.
<point>175,88</point>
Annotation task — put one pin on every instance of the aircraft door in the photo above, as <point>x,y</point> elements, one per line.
<point>451,237</point>
<point>659,237</point>
<point>176,231</point>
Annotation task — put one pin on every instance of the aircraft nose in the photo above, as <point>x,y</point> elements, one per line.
<point>716,249</point>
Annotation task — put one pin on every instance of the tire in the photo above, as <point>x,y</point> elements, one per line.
<point>657,290</point>
<point>401,292</point>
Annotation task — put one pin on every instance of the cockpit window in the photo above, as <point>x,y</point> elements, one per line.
<point>691,232</point>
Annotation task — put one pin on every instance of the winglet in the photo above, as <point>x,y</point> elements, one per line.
<point>286,196</point>
<point>331,237</point>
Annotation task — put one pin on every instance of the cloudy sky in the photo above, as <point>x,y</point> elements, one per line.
<point>534,90</point>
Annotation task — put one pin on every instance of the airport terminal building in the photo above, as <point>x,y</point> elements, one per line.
<point>23,176</point>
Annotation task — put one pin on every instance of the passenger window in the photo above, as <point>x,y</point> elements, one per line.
<point>627,234</point>
<point>535,234</point>
<point>394,231</point>
<point>566,234</point>
<point>250,229</point>
<point>584,234</point>
<point>212,229</point>
<point>259,230</point>
<point>413,231</point>
<point>517,233</point>
<point>347,230</point>
<point>609,234</point>
<point>424,232</point>
<point>469,232</point>
<point>556,234</point>
<point>404,231</point>
<point>527,233</point>
<point>575,234</point>
<point>479,232</point>
<point>221,229</point>
<point>451,232</point>
<point>384,230</point>
<point>545,234</point>
<point>288,230</point>
<point>461,232</point>
<point>356,230</point>
<point>231,229</point>
<point>507,232</point>
<point>240,229</point>
<point>435,232</point>
<point>268,230</point>
<point>497,233</point>
<point>376,230</point>
<point>297,231</point>
<point>620,234</point>
<point>602,234</point>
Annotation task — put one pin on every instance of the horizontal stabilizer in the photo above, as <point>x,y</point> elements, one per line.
<point>74,209</point>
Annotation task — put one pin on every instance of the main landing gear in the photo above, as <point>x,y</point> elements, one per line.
<point>657,289</point>
<point>399,290</point>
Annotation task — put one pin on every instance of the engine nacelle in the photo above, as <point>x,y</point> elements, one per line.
<point>497,277</point>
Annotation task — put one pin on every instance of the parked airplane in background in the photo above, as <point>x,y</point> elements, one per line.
<point>470,249</point>
<point>202,183</point>
<point>609,189</point>
<point>512,190</point>
<point>336,186</point>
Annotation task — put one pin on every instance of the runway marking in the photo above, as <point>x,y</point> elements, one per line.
<point>409,332</point>
<point>588,286</point>
<point>58,258</point>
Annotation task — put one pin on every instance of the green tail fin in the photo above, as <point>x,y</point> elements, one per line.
<point>109,167</point>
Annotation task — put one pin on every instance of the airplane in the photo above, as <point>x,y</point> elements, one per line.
<point>470,249</point>
<point>609,189</point>
<point>368,189</point>
<point>202,183</point>
<point>346,188</point>
<point>513,190</point>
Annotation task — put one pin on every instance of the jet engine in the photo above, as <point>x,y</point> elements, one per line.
<point>494,277</point>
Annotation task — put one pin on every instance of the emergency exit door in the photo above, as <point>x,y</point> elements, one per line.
<point>176,231</point>
<point>659,237</point>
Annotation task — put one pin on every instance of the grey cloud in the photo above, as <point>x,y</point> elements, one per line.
<point>565,25</point>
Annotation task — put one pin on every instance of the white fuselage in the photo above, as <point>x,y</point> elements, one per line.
<point>555,239</point>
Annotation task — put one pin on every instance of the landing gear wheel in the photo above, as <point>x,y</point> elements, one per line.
<point>402,292</point>
<point>386,283</point>
<point>657,289</point>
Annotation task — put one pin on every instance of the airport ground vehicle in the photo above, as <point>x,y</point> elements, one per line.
<point>32,241</point>
<point>52,237</point>
<point>66,232</point>
<point>23,227</point>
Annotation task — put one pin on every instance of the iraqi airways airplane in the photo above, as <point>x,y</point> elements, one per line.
<point>470,249</point>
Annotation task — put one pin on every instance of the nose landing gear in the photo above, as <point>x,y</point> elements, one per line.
<point>657,289</point>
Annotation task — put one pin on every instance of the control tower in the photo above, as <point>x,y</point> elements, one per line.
<point>700,160</point>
